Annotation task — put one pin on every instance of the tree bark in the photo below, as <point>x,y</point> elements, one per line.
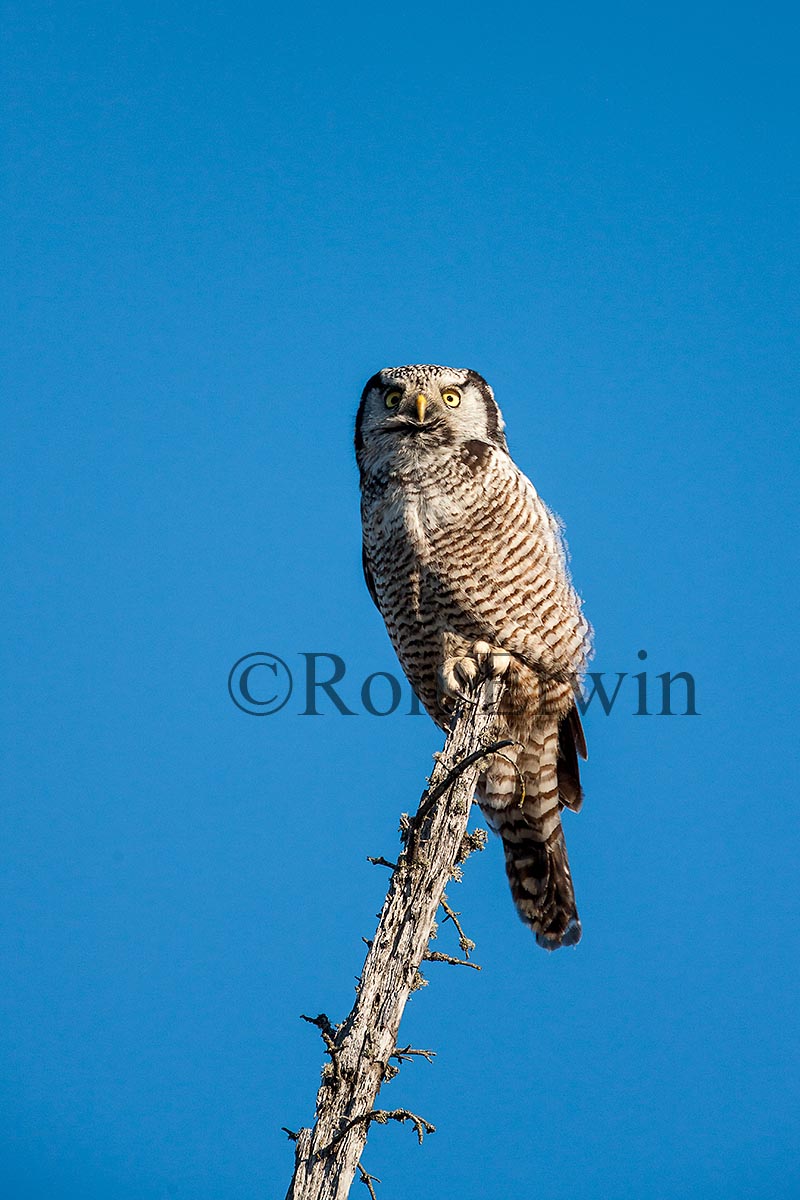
<point>360,1049</point>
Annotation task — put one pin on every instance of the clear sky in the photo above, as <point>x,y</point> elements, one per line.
<point>219,221</point>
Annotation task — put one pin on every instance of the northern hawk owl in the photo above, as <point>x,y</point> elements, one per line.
<point>468,569</point>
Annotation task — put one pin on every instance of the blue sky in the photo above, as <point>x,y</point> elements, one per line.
<point>220,222</point>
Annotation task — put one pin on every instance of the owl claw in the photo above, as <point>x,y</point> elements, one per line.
<point>462,672</point>
<point>492,663</point>
<point>451,682</point>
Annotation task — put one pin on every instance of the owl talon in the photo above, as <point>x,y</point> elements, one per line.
<point>452,679</point>
<point>492,663</point>
<point>462,672</point>
<point>466,671</point>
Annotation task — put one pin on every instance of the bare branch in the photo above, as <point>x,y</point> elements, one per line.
<point>323,1024</point>
<point>382,862</point>
<point>437,956</point>
<point>381,1116</point>
<point>466,944</point>
<point>402,1114</point>
<point>328,1156</point>
<point>368,1179</point>
<point>409,1052</point>
<point>328,1035</point>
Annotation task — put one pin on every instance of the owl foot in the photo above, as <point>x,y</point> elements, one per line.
<point>461,672</point>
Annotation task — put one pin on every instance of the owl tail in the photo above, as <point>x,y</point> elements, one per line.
<point>541,886</point>
<point>522,797</point>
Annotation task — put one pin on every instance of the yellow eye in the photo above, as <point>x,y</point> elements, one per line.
<point>451,397</point>
<point>391,399</point>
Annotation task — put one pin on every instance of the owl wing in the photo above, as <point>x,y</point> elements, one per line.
<point>369,578</point>
<point>506,571</point>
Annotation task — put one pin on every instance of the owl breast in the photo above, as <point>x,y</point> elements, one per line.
<point>412,527</point>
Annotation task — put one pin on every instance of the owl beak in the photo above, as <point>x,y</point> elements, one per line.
<point>422,404</point>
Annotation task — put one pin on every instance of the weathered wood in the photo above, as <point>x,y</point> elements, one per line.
<point>360,1050</point>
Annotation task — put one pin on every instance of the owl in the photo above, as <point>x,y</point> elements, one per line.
<point>468,568</point>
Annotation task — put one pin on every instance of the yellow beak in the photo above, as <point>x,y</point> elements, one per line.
<point>422,404</point>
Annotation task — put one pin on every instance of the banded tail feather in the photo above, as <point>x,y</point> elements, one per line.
<point>541,887</point>
<point>522,796</point>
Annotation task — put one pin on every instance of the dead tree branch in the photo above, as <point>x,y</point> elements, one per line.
<point>408,1052</point>
<point>436,841</point>
<point>466,944</point>
<point>368,1179</point>
<point>437,956</point>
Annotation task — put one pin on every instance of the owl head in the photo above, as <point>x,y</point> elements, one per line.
<point>416,410</point>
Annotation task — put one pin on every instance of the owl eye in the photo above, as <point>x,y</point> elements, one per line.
<point>391,399</point>
<point>451,397</point>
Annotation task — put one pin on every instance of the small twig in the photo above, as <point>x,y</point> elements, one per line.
<point>381,862</point>
<point>437,956</point>
<point>328,1035</point>
<point>409,1052</point>
<point>323,1024</point>
<point>402,1115</point>
<point>290,1134</point>
<point>368,1179</point>
<point>381,1116</point>
<point>466,944</point>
